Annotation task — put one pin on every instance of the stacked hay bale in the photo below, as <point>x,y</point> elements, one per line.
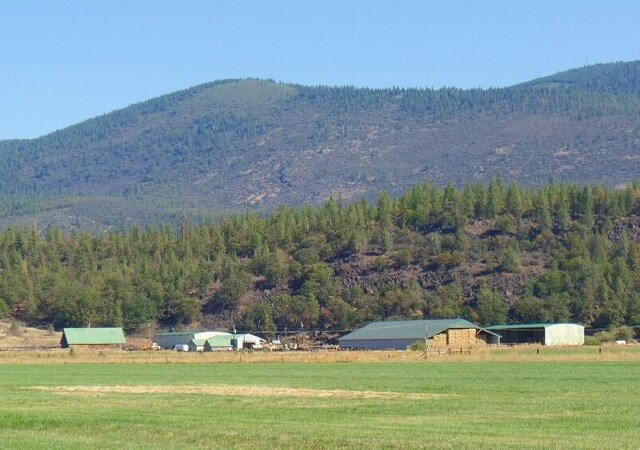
<point>464,338</point>
<point>438,341</point>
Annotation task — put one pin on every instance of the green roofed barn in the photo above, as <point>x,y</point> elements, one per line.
<point>455,333</point>
<point>196,345</point>
<point>218,343</point>
<point>90,338</point>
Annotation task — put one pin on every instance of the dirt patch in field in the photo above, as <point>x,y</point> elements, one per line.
<point>17,335</point>
<point>226,390</point>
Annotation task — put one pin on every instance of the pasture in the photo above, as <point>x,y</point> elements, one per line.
<point>492,400</point>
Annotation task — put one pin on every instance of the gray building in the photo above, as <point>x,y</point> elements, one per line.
<point>399,335</point>
<point>541,333</point>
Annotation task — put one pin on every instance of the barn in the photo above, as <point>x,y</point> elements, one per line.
<point>92,338</point>
<point>247,341</point>
<point>170,340</point>
<point>399,335</point>
<point>218,343</point>
<point>541,333</point>
<point>196,345</point>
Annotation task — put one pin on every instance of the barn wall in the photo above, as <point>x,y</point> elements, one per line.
<point>564,334</point>
<point>168,342</point>
<point>378,344</point>
<point>208,348</point>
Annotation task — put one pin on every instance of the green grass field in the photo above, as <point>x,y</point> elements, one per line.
<point>473,404</point>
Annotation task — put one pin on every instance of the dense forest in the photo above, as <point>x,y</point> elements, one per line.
<point>496,253</point>
<point>231,145</point>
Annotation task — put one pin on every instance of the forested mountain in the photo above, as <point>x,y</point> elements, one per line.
<point>233,145</point>
<point>492,254</point>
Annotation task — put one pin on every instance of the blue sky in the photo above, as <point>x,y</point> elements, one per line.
<point>62,62</point>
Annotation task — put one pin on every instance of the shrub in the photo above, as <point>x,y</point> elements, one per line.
<point>4,309</point>
<point>605,336</point>
<point>591,340</point>
<point>14,328</point>
<point>510,261</point>
<point>403,258</point>
<point>418,346</point>
<point>625,334</point>
<point>615,334</point>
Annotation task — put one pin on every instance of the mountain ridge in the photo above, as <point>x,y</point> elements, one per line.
<point>230,145</point>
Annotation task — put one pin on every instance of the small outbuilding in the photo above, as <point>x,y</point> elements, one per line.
<point>196,345</point>
<point>92,338</point>
<point>541,333</point>
<point>399,335</point>
<point>247,341</point>
<point>218,343</point>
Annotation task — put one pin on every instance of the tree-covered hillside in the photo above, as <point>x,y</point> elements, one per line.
<point>492,254</point>
<point>249,144</point>
<point>616,79</point>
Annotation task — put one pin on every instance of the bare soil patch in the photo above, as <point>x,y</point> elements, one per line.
<point>228,390</point>
<point>17,335</point>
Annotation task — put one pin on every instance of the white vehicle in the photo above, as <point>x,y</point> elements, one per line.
<point>181,347</point>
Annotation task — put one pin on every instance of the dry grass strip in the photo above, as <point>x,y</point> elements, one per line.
<point>228,390</point>
<point>501,354</point>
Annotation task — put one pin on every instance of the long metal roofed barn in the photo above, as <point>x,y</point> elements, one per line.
<point>399,335</point>
<point>92,337</point>
<point>541,333</point>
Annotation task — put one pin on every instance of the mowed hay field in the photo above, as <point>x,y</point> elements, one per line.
<point>450,403</point>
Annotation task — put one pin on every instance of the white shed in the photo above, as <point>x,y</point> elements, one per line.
<point>247,341</point>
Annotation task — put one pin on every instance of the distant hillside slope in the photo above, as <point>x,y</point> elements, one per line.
<point>236,144</point>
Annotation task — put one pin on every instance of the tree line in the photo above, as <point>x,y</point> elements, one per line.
<point>492,253</point>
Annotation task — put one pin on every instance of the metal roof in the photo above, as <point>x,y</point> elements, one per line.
<point>247,337</point>
<point>189,333</point>
<point>219,341</point>
<point>177,333</point>
<point>525,326</point>
<point>198,342</point>
<point>408,329</point>
<point>519,326</point>
<point>91,336</point>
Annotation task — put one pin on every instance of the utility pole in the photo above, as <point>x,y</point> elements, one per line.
<point>426,337</point>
